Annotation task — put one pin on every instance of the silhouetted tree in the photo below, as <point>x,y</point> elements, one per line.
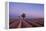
<point>23,15</point>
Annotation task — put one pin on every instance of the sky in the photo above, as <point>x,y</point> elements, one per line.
<point>30,9</point>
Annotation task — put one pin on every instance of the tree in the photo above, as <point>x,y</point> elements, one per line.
<point>23,15</point>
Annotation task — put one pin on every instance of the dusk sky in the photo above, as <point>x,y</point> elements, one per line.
<point>31,10</point>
